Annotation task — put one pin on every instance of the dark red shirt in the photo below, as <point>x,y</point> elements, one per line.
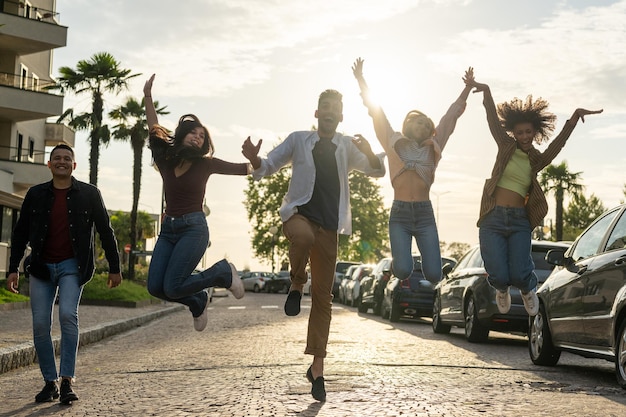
<point>58,244</point>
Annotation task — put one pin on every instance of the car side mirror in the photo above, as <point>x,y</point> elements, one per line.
<point>445,270</point>
<point>556,257</point>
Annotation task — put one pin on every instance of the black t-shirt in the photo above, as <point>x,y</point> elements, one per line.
<point>323,208</point>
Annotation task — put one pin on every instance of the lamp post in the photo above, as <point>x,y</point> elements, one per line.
<point>274,231</point>
<point>438,195</point>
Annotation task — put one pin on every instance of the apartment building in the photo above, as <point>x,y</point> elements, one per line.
<point>30,30</point>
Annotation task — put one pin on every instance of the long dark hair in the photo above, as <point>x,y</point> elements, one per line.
<point>172,148</point>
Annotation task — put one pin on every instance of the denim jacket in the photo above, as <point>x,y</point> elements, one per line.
<point>85,210</point>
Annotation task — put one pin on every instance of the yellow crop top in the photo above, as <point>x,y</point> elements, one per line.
<point>516,175</point>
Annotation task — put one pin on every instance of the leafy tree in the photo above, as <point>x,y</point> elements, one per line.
<point>559,180</point>
<point>580,212</point>
<point>120,221</point>
<point>368,241</point>
<point>454,250</point>
<point>100,74</point>
<point>133,126</point>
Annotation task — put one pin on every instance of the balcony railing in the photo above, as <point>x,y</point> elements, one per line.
<point>20,8</point>
<point>27,83</point>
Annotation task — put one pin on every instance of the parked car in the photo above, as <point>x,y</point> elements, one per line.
<point>582,304</point>
<point>411,297</point>
<point>465,299</point>
<point>340,269</point>
<point>353,287</point>
<point>306,290</point>
<point>255,280</point>
<point>347,277</point>
<point>278,283</point>
<point>372,286</point>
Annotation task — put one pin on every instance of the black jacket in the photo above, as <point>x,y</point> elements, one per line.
<point>85,210</point>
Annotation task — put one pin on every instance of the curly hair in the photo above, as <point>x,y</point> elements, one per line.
<point>535,112</point>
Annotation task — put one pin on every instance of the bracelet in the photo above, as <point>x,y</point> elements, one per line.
<point>147,96</point>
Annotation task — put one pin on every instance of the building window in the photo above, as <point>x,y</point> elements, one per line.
<point>31,149</point>
<point>7,224</point>
<point>23,76</point>
<point>20,143</point>
<point>35,83</point>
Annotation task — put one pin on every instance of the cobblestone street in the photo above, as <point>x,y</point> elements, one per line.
<point>250,362</point>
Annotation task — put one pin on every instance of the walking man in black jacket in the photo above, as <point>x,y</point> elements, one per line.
<point>57,220</point>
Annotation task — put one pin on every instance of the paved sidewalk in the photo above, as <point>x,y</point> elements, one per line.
<point>96,323</point>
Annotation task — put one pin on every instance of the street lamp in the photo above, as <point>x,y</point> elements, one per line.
<point>438,195</point>
<point>274,231</point>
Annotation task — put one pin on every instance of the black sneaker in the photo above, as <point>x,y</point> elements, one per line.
<point>49,393</point>
<point>292,305</point>
<point>67,394</point>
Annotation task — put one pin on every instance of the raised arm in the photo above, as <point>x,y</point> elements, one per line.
<point>447,124</point>
<point>496,129</point>
<point>151,114</point>
<point>382,127</point>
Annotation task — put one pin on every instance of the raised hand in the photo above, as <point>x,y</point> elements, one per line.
<point>469,76</point>
<point>362,143</point>
<point>147,88</point>
<point>357,68</point>
<point>251,152</point>
<point>581,113</point>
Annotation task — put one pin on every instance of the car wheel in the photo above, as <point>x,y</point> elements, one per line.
<point>257,288</point>
<point>285,289</point>
<point>384,311</point>
<point>362,307</point>
<point>540,347</point>
<point>620,357</point>
<point>475,332</point>
<point>394,312</point>
<point>377,308</point>
<point>438,326</point>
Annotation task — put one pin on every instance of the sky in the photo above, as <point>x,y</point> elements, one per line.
<point>256,68</point>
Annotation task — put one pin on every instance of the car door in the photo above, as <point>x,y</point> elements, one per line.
<point>567,285</point>
<point>604,279</point>
<point>451,288</point>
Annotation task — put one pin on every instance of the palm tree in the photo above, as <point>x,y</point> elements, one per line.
<point>101,73</point>
<point>132,125</point>
<point>558,179</point>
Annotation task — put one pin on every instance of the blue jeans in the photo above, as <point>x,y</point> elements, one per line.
<point>505,245</point>
<point>179,248</point>
<point>410,220</point>
<point>65,280</point>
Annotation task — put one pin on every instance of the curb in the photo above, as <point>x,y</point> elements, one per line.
<point>24,354</point>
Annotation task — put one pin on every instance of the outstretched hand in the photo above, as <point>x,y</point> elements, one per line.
<point>581,113</point>
<point>147,88</point>
<point>251,152</point>
<point>469,76</point>
<point>357,68</point>
<point>362,144</point>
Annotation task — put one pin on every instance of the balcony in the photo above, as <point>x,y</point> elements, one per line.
<point>21,101</point>
<point>26,30</point>
<point>17,177</point>
<point>59,133</point>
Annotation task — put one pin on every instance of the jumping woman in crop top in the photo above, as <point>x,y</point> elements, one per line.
<point>185,162</point>
<point>413,156</point>
<point>513,203</point>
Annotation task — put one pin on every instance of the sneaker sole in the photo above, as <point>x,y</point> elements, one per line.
<point>236,286</point>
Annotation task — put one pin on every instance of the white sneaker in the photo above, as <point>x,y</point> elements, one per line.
<point>236,286</point>
<point>503,301</point>
<point>531,302</point>
<point>200,322</point>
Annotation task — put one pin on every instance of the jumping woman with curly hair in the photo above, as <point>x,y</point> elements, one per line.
<point>513,203</point>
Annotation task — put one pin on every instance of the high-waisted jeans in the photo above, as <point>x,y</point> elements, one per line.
<point>64,281</point>
<point>179,248</point>
<point>505,245</point>
<point>410,220</point>
<point>307,241</point>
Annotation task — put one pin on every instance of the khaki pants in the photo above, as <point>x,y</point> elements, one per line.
<point>308,241</point>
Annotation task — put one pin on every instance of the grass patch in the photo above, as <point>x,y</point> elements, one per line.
<point>7,296</point>
<point>97,289</point>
